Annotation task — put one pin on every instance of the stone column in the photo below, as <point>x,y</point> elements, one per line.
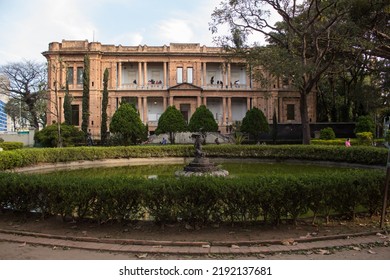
<point>145,110</point>
<point>229,105</point>
<point>248,103</point>
<point>170,100</point>
<point>229,75</point>
<point>223,110</point>
<point>139,104</point>
<point>165,74</point>
<point>204,74</point>
<point>205,101</point>
<point>164,103</point>
<point>140,80</point>
<point>145,73</point>
<point>198,101</point>
<point>119,74</point>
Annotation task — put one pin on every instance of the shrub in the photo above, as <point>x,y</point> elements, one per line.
<point>365,138</point>
<point>365,124</point>
<point>127,123</point>
<point>7,146</point>
<point>48,137</point>
<point>196,201</point>
<point>327,134</point>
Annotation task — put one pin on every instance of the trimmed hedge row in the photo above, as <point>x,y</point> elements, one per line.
<point>193,200</point>
<point>7,146</point>
<point>360,155</point>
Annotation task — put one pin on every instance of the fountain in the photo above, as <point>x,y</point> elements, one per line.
<point>201,165</point>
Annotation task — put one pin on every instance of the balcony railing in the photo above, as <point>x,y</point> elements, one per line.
<point>164,87</point>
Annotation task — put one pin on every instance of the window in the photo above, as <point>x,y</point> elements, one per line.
<point>179,75</point>
<point>80,75</point>
<point>189,75</point>
<point>290,112</point>
<point>69,75</point>
<point>75,115</point>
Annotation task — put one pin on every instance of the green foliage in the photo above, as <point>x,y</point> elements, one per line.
<point>48,137</point>
<point>327,134</point>
<point>7,146</point>
<point>103,127</point>
<point>67,105</point>
<point>239,137</point>
<point>359,154</point>
<point>85,101</point>
<point>171,121</point>
<point>127,124</point>
<point>254,123</point>
<point>365,124</point>
<point>365,138</point>
<point>202,120</point>
<point>274,127</point>
<point>196,201</point>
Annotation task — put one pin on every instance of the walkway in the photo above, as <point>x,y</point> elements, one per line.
<point>196,248</point>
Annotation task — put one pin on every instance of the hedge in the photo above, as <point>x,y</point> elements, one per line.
<point>359,155</point>
<point>7,146</point>
<point>194,200</point>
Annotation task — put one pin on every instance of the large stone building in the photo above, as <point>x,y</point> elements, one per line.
<point>152,78</point>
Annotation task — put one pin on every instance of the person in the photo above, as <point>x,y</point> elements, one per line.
<point>212,80</point>
<point>163,141</point>
<point>348,143</point>
<point>217,141</point>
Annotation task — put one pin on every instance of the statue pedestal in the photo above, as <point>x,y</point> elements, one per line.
<point>201,166</point>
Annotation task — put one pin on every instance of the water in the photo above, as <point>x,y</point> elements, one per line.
<point>234,168</point>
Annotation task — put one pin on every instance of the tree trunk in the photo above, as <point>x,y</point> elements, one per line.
<point>304,118</point>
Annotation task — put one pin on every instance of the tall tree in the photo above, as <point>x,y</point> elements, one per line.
<point>103,127</point>
<point>67,105</point>
<point>171,122</point>
<point>128,126</point>
<point>85,101</point>
<point>202,120</point>
<point>26,82</point>
<point>255,123</point>
<point>302,46</point>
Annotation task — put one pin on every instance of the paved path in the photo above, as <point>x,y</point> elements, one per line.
<point>261,247</point>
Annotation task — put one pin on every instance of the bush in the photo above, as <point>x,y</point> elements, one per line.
<point>195,201</point>
<point>360,155</point>
<point>365,138</point>
<point>7,146</point>
<point>327,134</point>
<point>48,137</point>
<point>365,124</point>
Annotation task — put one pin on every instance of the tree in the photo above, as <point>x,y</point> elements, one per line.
<point>171,121</point>
<point>26,81</point>
<point>202,120</point>
<point>103,127</point>
<point>365,124</point>
<point>274,127</point>
<point>128,126</point>
<point>85,101</point>
<point>302,47</point>
<point>254,123</point>
<point>67,105</point>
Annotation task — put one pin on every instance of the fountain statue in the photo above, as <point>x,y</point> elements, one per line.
<point>201,165</point>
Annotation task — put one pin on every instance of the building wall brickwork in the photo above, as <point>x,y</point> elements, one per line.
<point>154,77</point>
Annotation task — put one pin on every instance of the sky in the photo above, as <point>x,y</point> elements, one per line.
<point>28,26</point>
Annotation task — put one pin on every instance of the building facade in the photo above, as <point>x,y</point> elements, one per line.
<point>5,121</point>
<point>152,78</point>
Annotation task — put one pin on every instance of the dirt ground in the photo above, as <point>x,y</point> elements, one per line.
<point>181,232</point>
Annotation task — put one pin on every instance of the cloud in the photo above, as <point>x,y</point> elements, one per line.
<point>175,31</point>
<point>41,22</point>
